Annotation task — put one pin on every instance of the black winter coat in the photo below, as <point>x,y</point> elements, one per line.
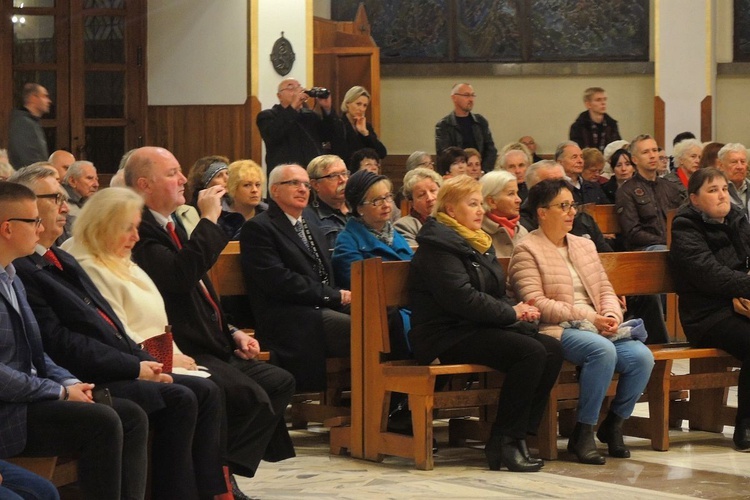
<point>709,262</point>
<point>453,291</point>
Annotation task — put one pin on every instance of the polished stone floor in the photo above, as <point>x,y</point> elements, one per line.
<point>698,465</point>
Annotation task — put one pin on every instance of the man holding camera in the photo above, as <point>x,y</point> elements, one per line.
<point>293,133</point>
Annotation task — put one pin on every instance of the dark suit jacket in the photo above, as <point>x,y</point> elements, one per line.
<point>177,274</point>
<point>20,350</point>
<point>286,293</point>
<point>77,337</point>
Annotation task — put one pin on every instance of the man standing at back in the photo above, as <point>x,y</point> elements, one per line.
<point>642,203</point>
<point>256,393</point>
<point>594,128</point>
<point>26,141</point>
<point>464,129</point>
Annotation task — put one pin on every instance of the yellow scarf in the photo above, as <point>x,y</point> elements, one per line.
<point>479,240</point>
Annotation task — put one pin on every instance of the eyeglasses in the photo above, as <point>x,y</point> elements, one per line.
<point>467,95</point>
<point>565,206</point>
<point>295,183</point>
<point>426,163</point>
<point>378,202</point>
<point>336,175</point>
<point>37,222</point>
<point>369,164</point>
<point>58,197</point>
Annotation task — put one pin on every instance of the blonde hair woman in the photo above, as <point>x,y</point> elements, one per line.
<point>352,132</point>
<point>104,234</point>
<point>245,186</point>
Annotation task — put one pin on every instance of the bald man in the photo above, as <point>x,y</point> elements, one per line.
<point>292,132</point>
<point>61,160</point>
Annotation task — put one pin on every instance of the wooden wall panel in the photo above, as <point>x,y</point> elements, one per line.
<point>659,120</point>
<point>706,121</point>
<point>191,132</point>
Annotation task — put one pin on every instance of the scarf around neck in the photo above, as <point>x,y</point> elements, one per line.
<point>509,223</point>
<point>479,240</point>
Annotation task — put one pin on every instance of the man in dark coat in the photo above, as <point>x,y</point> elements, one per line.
<point>300,313</point>
<point>82,333</point>
<point>292,132</point>
<point>27,143</point>
<point>256,393</point>
<point>594,128</point>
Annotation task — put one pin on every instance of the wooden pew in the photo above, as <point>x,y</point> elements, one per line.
<point>631,273</point>
<point>226,276</point>
<point>605,217</point>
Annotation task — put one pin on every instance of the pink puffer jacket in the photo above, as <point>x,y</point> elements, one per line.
<point>538,272</point>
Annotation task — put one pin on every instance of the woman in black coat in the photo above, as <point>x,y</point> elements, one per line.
<point>352,132</point>
<point>710,259</point>
<point>460,314</point>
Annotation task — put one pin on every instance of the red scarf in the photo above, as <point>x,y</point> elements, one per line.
<point>509,223</point>
<point>683,176</point>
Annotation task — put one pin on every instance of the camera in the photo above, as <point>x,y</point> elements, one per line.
<point>318,92</point>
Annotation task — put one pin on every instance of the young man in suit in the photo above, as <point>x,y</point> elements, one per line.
<point>256,393</point>
<point>46,410</point>
<point>83,334</point>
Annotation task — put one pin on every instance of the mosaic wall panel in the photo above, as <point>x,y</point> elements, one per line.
<point>742,30</point>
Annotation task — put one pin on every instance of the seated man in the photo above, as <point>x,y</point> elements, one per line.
<point>644,200</point>
<point>61,160</point>
<point>46,410</point>
<point>733,162</point>
<point>82,333</point>
<point>570,156</point>
<point>256,393</point>
<point>80,181</point>
<point>300,313</point>
<point>327,208</point>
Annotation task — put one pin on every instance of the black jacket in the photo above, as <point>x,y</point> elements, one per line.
<point>589,192</point>
<point>709,263</point>
<point>453,291</point>
<point>293,136</point>
<point>346,141</point>
<point>610,189</point>
<point>592,135</point>
<point>286,293</point>
<point>448,133</point>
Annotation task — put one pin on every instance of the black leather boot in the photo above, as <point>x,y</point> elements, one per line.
<point>741,436</point>
<point>610,432</point>
<point>524,449</point>
<point>582,444</point>
<point>503,450</point>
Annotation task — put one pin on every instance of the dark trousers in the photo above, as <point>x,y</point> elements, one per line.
<point>110,444</point>
<point>530,363</point>
<point>733,336</point>
<point>337,331</point>
<point>649,309</point>
<point>256,396</point>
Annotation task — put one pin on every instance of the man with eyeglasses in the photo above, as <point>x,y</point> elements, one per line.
<point>256,393</point>
<point>45,409</point>
<point>292,132</point>
<point>300,313</point>
<point>642,203</point>
<point>464,129</point>
<point>327,207</point>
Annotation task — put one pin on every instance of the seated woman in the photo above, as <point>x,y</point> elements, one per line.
<point>562,275</point>
<point>207,172</point>
<point>419,159</point>
<point>451,162</point>
<point>245,185</point>
<point>709,261</point>
<point>622,165</point>
<point>502,214</point>
<point>366,159</point>
<point>420,188</point>
<point>687,159</point>
<point>461,314</point>
<point>473,163</point>
<point>369,232</point>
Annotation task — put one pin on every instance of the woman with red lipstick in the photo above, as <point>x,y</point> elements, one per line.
<point>710,260</point>
<point>503,211</point>
<point>561,274</point>
<point>461,314</point>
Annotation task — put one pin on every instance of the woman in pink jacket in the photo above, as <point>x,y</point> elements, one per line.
<point>561,274</point>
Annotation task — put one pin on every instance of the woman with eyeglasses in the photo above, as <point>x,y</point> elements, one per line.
<point>461,314</point>
<point>561,274</point>
<point>352,132</point>
<point>369,233</point>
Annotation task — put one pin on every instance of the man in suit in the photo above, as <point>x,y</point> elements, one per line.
<point>44,409</point>
<point>300,314</point>
<point>83,334</point>
<point>256,393</point>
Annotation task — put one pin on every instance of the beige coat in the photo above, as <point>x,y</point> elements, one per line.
<point>501,240</point>
<point>538,272</point>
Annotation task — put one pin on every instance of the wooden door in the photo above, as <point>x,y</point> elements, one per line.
<point>89,54</point>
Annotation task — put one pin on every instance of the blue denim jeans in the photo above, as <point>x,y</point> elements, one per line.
<point>599,358</point>
<point>20,484</point>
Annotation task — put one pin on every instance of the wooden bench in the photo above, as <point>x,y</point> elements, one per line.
<point>606,218</point>
<point>226,276</point>
<point>377,285</point>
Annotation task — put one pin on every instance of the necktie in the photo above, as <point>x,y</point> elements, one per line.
<point>301,233</point>
<point>206,294</point>
<point>51,257</point>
